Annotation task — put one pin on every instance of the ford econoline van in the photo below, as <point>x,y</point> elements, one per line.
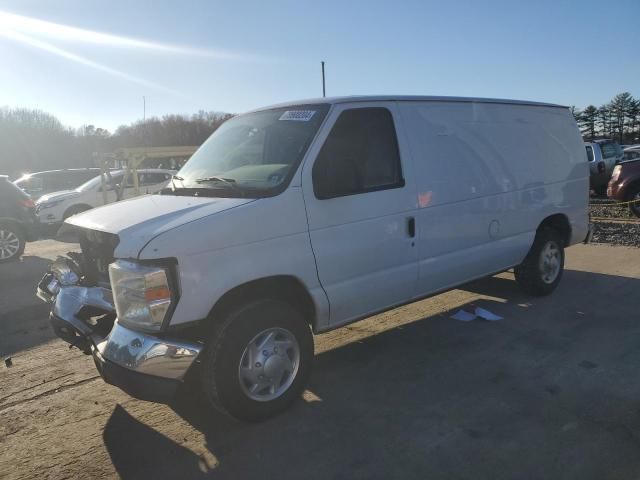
<point>303,217</point>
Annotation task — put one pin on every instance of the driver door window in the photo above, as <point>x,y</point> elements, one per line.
<point>360,155</point>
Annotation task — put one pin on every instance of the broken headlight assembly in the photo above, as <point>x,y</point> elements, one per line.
<point>66,271</point>
<point>142,294</point>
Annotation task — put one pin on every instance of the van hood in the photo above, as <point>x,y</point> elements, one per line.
<point>138,220</point>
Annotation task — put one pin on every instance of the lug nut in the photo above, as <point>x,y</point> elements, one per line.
<point>258,364</point>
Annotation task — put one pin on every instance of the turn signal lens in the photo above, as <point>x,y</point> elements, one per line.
<point>154,294</point>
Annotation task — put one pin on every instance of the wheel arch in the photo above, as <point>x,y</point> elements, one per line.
<point>560,223</point>
<point>76,208</point>
<point>14,222</point>
<point>630,186</point>
<point>287,288</point>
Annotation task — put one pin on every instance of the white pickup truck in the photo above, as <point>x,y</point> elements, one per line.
<point>304,217</point>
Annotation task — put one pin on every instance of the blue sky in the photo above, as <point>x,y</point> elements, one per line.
<point>236,55</point>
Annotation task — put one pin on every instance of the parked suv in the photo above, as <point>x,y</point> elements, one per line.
<point>308,216</point>
<point>54,208</point>
<point>17,220</point>
<point>624,185</point>
<point>602,155</point>
<point>40,183</point>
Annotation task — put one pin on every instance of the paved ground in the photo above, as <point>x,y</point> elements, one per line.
<point>551,391</point>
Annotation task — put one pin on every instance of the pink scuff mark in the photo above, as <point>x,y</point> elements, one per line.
<point>424,199</point>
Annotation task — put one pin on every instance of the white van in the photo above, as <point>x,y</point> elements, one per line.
<point>306,216</point>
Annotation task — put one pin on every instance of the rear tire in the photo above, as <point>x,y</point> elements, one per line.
<point>12,242</point>
<point>257,361</point>
<point>634,194</point>
<point>540,272</point>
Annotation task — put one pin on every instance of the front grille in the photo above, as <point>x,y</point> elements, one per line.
<point>97,252</point>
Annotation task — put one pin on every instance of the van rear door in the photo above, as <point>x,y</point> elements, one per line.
<point>360,202</point>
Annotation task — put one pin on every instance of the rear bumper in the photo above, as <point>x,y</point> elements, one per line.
<point>31,230</point>
<point>148,367</point>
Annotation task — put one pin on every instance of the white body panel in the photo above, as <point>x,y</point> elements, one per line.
<point>488,174</point>
<point>479,176</point>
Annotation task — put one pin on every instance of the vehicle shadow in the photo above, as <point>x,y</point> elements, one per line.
<point>550,391</point>
<point>23,317</point>
<point>146,450</point>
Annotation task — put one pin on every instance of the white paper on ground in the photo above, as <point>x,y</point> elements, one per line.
<point>463,316</point>
<point>487,315</point>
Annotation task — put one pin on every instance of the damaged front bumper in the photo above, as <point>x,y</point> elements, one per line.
<point>147,367</point>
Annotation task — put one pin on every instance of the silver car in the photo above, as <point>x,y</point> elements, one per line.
<point>602,156</point>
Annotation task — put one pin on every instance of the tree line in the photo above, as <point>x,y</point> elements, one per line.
<point>33,140</point>
<point>619,119</point>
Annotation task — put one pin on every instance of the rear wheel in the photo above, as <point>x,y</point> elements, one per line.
<point>634,195</point>
<point>12,242</point>
<point>540,272</point>
<point>258,360</point>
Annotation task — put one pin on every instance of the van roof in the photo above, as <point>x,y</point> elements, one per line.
<point>408,98</point>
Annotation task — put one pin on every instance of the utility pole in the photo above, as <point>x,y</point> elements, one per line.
<point>323,88</point>
<point>144,109</point>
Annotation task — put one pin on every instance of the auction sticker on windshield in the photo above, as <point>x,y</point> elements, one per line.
<point>297,115</point>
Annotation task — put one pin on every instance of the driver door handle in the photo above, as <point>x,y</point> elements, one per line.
<point>411,227</point>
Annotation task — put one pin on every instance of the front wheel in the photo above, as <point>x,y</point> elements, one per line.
<point>540,272</point>
<point>258,360</point>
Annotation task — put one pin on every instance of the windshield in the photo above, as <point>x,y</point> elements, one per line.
<point>254,154</point>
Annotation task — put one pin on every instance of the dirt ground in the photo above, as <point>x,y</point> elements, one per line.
<point>550,391</point>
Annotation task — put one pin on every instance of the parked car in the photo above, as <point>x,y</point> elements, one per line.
<point>17,220</point>
<point>306,217</point>
<point>52,209</point>
<point>624,185</point>
<point>40,183</point>
<point>602,155</point>
<point>631,153</point>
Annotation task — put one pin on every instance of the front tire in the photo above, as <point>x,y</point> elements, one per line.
<point>540,272</point>
<point>12,242</point>
<point>258,360</point>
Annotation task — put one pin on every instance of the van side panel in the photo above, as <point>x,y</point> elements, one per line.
<point>487,175</point>
<point>265,238</point>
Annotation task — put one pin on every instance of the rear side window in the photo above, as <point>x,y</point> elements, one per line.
<point>152,178</point>
<point>360,155</point>
<point>589,154</point>
<point>609,150</point>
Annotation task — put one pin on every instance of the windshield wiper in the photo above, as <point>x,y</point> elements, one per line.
<point>229,181</point>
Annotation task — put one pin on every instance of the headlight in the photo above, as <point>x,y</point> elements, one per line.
<point>45,205</point>
<point>616,172</point>
<point>142,294</point>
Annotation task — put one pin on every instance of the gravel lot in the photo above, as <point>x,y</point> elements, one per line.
<point>551,391</point>
<point>614,223</point>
